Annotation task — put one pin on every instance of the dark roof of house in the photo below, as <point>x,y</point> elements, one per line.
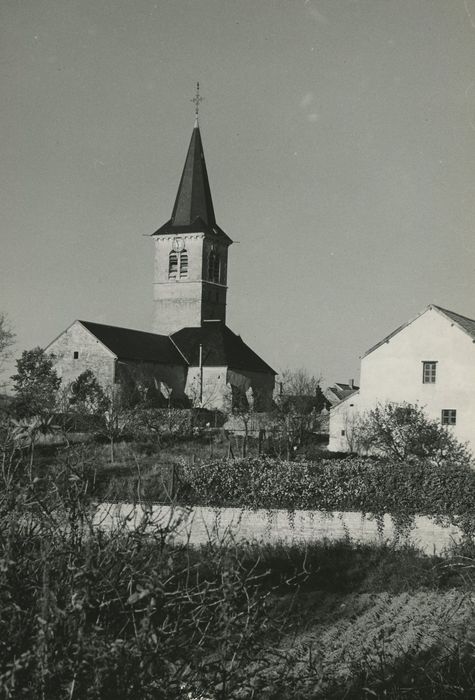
<point>220,348</point>
<point>140,346</point>
<point>339,391</point>
<point>465,323</point>
<point>193,210</point>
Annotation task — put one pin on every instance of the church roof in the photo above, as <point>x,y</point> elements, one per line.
<point>221,348</point>
<point>129,344</point>
<point>193,210</point>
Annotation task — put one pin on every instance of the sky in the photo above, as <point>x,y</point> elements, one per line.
<point>339,137</point>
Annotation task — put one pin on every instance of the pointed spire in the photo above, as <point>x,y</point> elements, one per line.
<point>193,210</point>
<point>193,199</point>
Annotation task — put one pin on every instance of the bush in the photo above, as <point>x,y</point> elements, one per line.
<point>351,484</point>
<point>403,432</point>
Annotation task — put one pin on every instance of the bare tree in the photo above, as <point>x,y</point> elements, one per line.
<point>7,339</point>
<point>298,382</point>
<point>299,402</point>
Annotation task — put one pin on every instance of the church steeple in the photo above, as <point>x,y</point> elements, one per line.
<point>191,258</point>
<point>193,200</point>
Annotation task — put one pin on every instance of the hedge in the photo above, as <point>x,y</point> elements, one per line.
<point>351,484</point>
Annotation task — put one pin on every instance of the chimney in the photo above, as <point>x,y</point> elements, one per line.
<point>351,382</point>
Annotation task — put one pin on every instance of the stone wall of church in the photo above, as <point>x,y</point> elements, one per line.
<point>186,300</point>
<point>258,387</point>
<point>77,350</point>
<point>216,392</point>
<point>218,383</point>
<point>177,300</point>
<point>177,306</point>
<point>153,377</point>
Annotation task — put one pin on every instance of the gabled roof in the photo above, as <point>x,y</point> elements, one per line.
<point>128,344</point>
<point>466,324</point>
<point>353,395</point>
<point>220,348</point>
<point>193,210</point>
<point>339,391</point>
<point>463,322</point>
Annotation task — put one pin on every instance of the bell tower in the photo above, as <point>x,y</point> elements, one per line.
<point>191,251</point>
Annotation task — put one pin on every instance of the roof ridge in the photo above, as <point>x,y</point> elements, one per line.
<point>452,315</point>
<point>455,313</point>
<point>122,328</point>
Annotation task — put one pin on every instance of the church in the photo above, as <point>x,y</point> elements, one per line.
<point>191,357</point>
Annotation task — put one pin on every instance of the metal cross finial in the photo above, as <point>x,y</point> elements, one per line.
<point>197,99</point>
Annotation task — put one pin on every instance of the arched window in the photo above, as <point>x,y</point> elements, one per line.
<point>213,267</point>
<point>183,264</point>
<point>172,264</point>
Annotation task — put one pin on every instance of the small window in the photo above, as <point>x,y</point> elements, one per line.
<point>213,267</point>
<point>343,433</point>
<point>172,265</point>
<point>429,370</point>
<point>449,416</point>
<point>75,354</point>
<point>183,264</point>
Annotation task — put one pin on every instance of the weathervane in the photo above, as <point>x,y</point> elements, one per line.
<point>197,99</point>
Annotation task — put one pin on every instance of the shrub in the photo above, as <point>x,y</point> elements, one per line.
<point>352,484</point>
<point>403,431</point>
<point>87,396</point>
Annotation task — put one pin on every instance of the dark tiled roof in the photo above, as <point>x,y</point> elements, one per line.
<point>339,391</point>
<point>193,199</point>
<point>193,210</point>
<point>221,348</point>
<point>129,344</point>
<point>468,324</point>
<point>197,226</point>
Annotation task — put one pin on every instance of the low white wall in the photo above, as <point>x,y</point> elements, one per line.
<point>198,524</point>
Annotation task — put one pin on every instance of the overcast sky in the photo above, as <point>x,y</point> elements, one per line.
<point>339,138</point>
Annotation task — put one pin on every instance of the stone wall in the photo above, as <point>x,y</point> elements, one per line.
<point>91,354</point>
<point>234,524</point>
<point>182,302</point>
<point>154,376</point>
<point>177,301</point>
<point>216,393</point>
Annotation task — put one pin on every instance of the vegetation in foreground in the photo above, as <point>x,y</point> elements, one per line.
<point>89,613</point>
<point>86,613</point>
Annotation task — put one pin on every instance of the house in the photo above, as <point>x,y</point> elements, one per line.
<point>191,355</point>
<point>429,361</point>
<point>339,391</point>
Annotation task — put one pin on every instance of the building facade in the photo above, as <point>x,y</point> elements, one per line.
<point>429,361</point>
